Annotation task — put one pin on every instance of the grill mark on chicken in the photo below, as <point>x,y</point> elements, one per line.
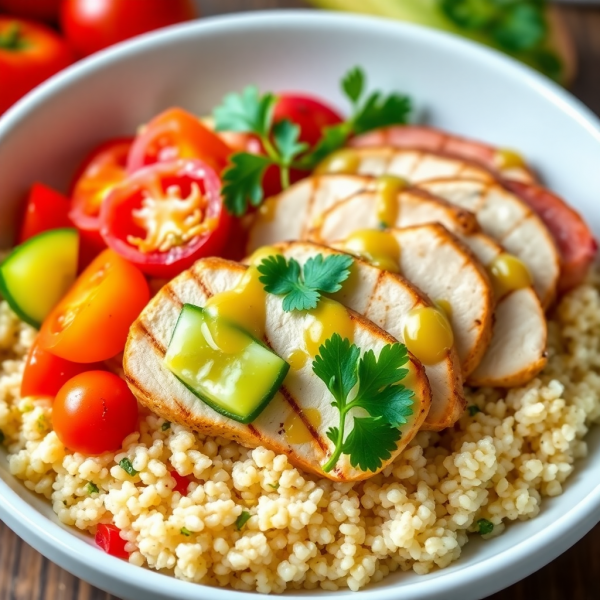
<point>173,296</point>
<point>161,350</point>
<point>198,278</point>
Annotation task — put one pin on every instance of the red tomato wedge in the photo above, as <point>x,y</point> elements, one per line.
<point>175,134</point>
<point>90,324</point>
<point>166,216</point>
<point>94,412</point>
<point>571,233</point>
<point>46,209</point>
<point>109,539</point>
<point>45,373</point>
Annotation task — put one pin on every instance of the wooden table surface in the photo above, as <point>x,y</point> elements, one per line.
<point>26,575</point>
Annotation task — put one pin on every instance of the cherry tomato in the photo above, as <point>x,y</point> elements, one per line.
<point>173,134</point>
<point>94,412</point>
<point>42,10</point>
<point>102,169</point>
<point>91,323</point>
<point>109,539</point>
<point>29,53</point>
<point>166,216</point>
<point>91,25</point>
<point>181,483</point>
<point>46,209</point>
<point>311,114</point>
<point>45,373</point>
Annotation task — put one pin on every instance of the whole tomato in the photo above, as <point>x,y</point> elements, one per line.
<point>29,54</point>
<point>91,25</point>
<point>43,10</point>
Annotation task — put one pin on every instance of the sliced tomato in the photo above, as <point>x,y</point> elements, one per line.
<point>166,216</point>
<point>46,209</point>
<point>181,483</point>
<point>45,373</point>
<point>311,114</point>
<point>109,539</point>
<point>175,134</point>
<point>92,321</point>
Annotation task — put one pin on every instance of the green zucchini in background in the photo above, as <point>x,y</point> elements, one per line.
<point>525,29</point>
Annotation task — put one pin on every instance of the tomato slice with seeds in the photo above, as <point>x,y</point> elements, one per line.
<point>166,216</point>
<point>91,323</point>
<point>175,134</point>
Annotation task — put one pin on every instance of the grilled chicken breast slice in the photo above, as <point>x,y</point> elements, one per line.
<point>385,299</point>
<point>159,390</point>
<point>508,220</point>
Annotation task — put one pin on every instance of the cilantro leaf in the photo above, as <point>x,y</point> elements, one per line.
<point>302,288</point>
<point>393,404</point>
<point>286,135</point>
<point>248,112</point>
<point>376,373</point>
<point>92,488</point>
<point>484,526</point>
<point>469,14</point>
<point>333,434</point>
<point>473,410</point>
<point>126,465</point>
<point>327,274</point>
<point>353,84</point>
<point>242,519</point>
<point>185,531</point>
<point>382,111</point>
<point>332,139</point>
<point>522,28</point>
<point>243,182</point>
<point>370,442</point>
<point>335,365</point>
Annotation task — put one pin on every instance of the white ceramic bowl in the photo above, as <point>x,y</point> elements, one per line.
<point>456,85</point>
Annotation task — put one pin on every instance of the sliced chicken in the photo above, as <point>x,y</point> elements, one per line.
<point>386,298</point>
<point>443,267</point>
<point>505,163</point>
<point>513,362</point>
<point>504,217</point>
<point>159,390</point>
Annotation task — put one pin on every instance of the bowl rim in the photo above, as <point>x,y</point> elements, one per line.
<point>70,550</point>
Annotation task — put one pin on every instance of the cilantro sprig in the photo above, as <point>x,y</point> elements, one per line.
<point>252,112</point>
<point>302,287</point>
<point>370,383</point>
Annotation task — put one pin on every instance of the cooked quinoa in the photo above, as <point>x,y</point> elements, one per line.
<point>507,452</point>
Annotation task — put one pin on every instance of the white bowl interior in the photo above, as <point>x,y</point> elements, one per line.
<point>455,86</point>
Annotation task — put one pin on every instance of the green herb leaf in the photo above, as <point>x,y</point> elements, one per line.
<point>470,14</point>
<point>92,488</point>
<point>166,425</point>
<point>484,526</point>
<point>275,486</point>
<point>285,136</point>
<point>377,373</point>
<point>335,365</point>
<point>353,84</point>
<point>126,465</point>
<point>242,519</point>
<point>522,28</point>
<point>333,138</point>
<point>242,182</point>
<point>248,112</point>
<point>473,410</point>
<point>382,111</point>
<point>370,442</point>
<point>185,531</point>
<point>302,288</point>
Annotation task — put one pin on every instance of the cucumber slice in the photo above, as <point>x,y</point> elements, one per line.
<point>223,365</point>
<point>38,273</point>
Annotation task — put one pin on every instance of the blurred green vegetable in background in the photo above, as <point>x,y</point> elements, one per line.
<point>526,29</point>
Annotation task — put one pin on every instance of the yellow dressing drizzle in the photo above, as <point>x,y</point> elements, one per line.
<point>445,307</point>
<point>266,212</point>
<point>244,305</point>
<point>508,159</point>
<point>328,318</point>
<point>342,161</point>
<point>380,248</point>
<point>296,432</point>
<point>297,359</point>
<point>261,253</point>
<point>508,274</point>
<point>387,188</point>
<point>428,334</point>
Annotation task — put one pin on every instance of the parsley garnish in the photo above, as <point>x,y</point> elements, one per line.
<point>185,531</point>
<point>166,425</point>
<point>242,520</point>
<point>126,465</point>
<point>484,526</point>
<point>250,112</point>
<point>302,286</point>
<point>388,403</point>
<point>473,410</point>
<point>92,488</point>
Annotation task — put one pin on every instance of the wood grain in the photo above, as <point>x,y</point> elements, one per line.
<point>26,575</point>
